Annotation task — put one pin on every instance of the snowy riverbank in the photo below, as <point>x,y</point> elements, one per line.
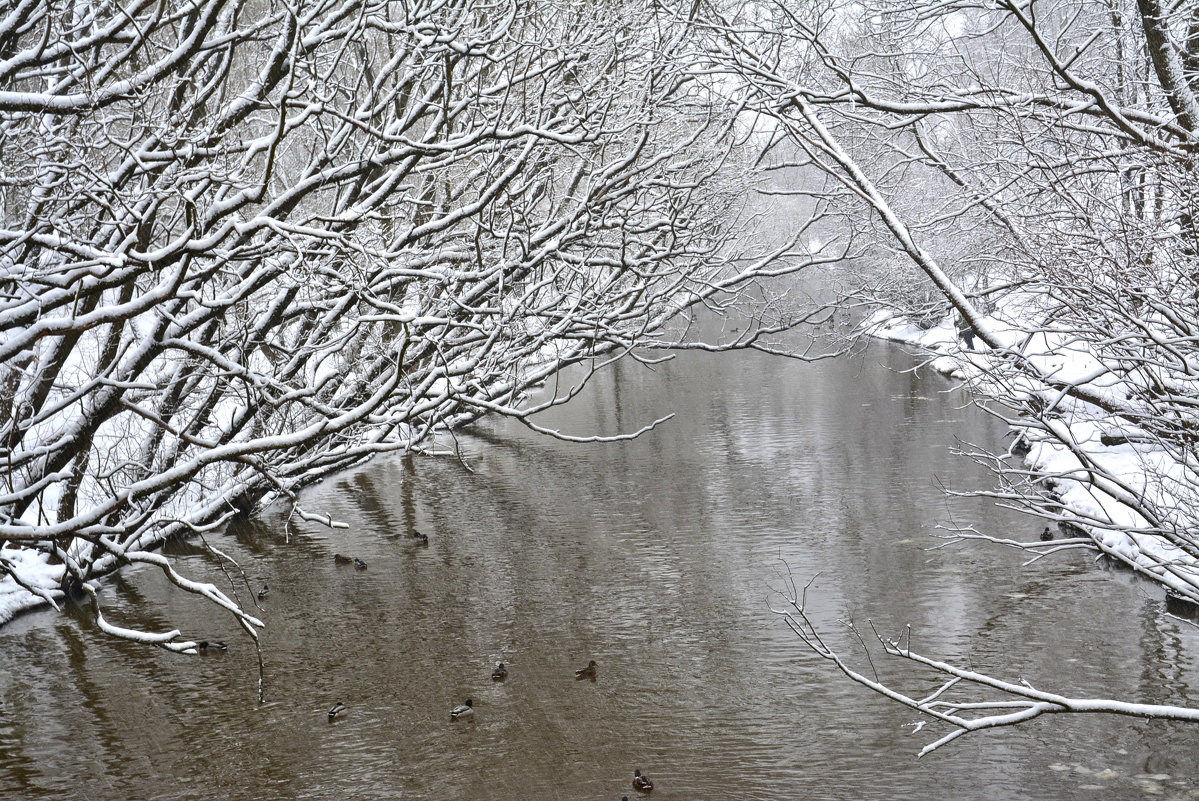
<point>1125,465</point>
<point>41,579</point>
<point>1115,464</point>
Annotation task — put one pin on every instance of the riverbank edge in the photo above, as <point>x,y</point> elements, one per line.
<point>1146,554</point>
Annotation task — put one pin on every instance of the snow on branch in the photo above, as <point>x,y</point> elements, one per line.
<point>221,284</point>
<point>1030,221</point>
<point>967,701</point>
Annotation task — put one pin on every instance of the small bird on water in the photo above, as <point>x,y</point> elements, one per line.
<point>421,539</point>
<point>262,593</point>
<point>641,783</point>
<point>1046,535</point>
<point>359,564</point>
<point>588,672</point>
<point>500,673</point>
<point>215,645</point>
<point>462,711</point>
<point>336,710</point>
<point>341,559</point>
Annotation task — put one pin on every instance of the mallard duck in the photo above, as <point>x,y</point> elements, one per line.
<point>421,539</point>
<point>500,673</point>
<point>262,593</point>
<point>215,645</point>
<point>1046,535</point>
<point>462,711</point>
<point>587,672</point>
<point>641,784</point>
<point>359,564</point>
<point>336,710</point>
<point>341,559</point>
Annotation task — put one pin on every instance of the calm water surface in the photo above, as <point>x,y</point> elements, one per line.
<point>659,558</point>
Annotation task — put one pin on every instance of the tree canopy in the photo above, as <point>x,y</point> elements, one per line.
<point>249,244</point>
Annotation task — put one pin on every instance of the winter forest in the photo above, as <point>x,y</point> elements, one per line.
<point>247,246</point>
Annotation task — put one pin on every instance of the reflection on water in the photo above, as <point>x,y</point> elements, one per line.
<point>659,559</point>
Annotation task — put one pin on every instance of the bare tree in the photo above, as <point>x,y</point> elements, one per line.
<point>249,244</point>
<point>1042,154</point>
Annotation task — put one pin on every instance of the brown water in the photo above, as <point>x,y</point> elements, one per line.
<point>658,558</point>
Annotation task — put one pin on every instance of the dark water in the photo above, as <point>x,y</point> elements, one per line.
<point>659,558</point>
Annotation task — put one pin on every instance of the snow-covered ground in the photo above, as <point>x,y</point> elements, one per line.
<point>42,579</point>
<point>1126,470</point>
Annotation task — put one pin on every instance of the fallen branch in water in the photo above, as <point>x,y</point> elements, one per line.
<point>1016,703</point>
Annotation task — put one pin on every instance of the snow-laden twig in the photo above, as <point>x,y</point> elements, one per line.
<point>224,285</point>
<point>1017,702</point>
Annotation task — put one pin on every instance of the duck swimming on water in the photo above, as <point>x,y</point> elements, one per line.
<point>336,710</point>
<point>462,711</point>
<point>641,784</point>
<point>588,672</point>
<point>500,673</point>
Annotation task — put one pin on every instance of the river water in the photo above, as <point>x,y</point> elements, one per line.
<point>660,558</point>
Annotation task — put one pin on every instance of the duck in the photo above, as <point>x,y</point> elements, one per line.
<point>641,784</point>
<point>341,559</point>
<point>1046,535</point>
<point>359,564</point>
<point>462,711</point>
<point>588,672</point>
<point>421,539</point>
<point>336,710</point>
<point>500,673</point>
<point>215,645</point>
<point>262,593</point>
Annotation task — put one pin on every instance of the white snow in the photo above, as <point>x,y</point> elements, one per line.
<point>1139,469</point>
<point>40,577</point>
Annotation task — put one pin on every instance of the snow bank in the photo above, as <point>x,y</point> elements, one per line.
<point>40,578</point>
<point>1091,500</point>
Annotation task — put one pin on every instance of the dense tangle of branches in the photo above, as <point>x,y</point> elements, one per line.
<point>246,244</point>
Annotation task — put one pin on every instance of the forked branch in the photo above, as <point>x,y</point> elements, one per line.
<point>966,700</point>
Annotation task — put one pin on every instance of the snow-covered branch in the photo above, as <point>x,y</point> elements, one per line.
<point>1025,174</point>
<point>965,700</point>
<point>246,246</point>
